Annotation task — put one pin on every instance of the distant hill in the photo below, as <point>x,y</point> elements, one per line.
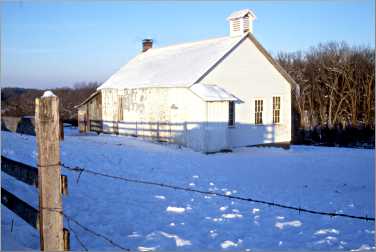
<point>17,101</point>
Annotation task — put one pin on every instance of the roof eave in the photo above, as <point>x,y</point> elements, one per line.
<point>279,68</point>
<point>87,99</point>
<point>202,76</point>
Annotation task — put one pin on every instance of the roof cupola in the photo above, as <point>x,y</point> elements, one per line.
<point>241,22</point>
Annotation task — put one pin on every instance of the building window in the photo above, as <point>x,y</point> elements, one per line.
<point>276,109</point>
<point>231,113</point>
<point>259,107</point>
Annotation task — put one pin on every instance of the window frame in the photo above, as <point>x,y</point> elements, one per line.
<point>275,110</point>
<point>255,111</point>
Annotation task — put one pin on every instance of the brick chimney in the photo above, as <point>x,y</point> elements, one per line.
<point>147,44</point>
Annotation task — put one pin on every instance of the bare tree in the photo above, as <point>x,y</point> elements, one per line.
<point>336,85</point>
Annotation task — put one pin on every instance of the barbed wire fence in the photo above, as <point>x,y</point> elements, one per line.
<point>179,188</point>
<point>91,231</point>
<point>87,229</point>
<point>77,237</point>
<point>116,245</point>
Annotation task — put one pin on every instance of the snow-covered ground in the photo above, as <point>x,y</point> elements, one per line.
<point>142,217</point>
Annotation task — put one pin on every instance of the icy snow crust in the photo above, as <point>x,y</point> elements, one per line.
<point>148,218</point>
<point>173,66</point>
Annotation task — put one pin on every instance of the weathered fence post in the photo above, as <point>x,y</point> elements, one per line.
<point>66,239</point>
<point>49,180</point>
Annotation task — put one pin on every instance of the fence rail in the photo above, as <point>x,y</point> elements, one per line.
<point>153,129</point>
<point>21,208</point>
<point>23,172</point>
<point>179,132</point>
<point>95,126</point>
<point>27,174</point>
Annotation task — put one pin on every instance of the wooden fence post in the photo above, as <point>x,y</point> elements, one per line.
<point>49,181</point>
<point>66,239</point>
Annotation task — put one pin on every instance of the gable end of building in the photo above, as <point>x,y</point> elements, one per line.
<point>276,65</point>
<point>264,52</point>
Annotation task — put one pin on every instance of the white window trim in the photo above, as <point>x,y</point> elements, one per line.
<point>253,111</point>
<point>280,109</point>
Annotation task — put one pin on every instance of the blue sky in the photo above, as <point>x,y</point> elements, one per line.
<point>59,43</point>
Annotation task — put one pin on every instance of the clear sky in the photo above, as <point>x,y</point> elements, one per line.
<point>59,43</point>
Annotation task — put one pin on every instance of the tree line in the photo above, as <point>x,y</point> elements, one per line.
<point>335,95</point>
<point>21,101</point>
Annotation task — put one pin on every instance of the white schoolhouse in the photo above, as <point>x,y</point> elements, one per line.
<point>210,95</point>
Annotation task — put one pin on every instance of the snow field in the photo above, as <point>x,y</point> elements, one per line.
<point>150,218</point>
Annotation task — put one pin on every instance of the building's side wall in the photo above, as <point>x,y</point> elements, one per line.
<point>217,126</point>
<point>166,114</point>
<point>94,111</point>
<point>109,110</point>
<point>90,114</point>
<point>94,108</point>
<point>248,74</point>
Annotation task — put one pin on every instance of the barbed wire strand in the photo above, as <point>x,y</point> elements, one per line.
<point>94,233</point>
<point>145,182</point>
<point>89,230</point>
<point>76,235</point>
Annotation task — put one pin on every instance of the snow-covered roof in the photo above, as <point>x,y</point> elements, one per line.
<point>212,93</point>
<point>173,66</point>
<point>240,14</point>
